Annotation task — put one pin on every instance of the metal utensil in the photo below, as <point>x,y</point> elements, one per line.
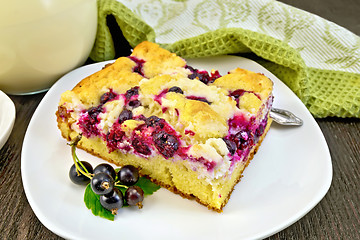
<point>285,117</point>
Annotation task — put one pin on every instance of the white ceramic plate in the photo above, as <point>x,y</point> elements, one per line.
<point>289,175</point>
<point>7,117</point>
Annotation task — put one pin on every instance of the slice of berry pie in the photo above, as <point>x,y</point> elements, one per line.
<point>188,130</point>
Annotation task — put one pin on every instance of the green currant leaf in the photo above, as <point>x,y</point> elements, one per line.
<point>147,186</point>
<point>92,202</point>
<point>122,189</point>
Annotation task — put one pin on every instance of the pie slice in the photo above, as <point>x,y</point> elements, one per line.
<point>188,130</point>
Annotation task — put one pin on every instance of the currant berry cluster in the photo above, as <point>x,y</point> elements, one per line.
<point>105,182</point>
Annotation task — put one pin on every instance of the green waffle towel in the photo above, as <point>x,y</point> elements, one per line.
<point>317,59</point>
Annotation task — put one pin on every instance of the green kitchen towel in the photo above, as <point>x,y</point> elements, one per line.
<point>317,59</point>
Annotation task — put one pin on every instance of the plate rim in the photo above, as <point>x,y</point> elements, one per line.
<point>270,232</point>
<point>7,119</point>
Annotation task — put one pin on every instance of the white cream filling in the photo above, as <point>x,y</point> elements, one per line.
<point>112,110</point>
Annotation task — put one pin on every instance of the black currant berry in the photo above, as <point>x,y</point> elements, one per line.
<point>108,96</point>
<point>112,201</point>
<point>231,145</point>
<point>102,183</point>
<point>105,168</point>
<point>134,196</point>
<point>125,115</point>
<point>134,103</point>
<point>165,143</point>
<point>176,90</point>
<point>152,121</point>
<point>132,92</point>
<point>140,146</point>
<point>77,177</point>
<point>128,175</point>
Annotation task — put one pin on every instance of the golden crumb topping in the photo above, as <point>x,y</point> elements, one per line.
<point>246,80</point>
<point>118,76</point>
<point>157,60</point>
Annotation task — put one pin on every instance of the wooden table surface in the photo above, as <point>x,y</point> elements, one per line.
<point>337,216</point>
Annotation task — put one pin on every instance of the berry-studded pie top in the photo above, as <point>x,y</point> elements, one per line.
<point>153,103</point>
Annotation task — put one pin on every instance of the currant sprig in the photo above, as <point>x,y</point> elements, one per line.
<point>105,182</point>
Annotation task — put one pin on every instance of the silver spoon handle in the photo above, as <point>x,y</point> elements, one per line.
<point>285,117</point>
